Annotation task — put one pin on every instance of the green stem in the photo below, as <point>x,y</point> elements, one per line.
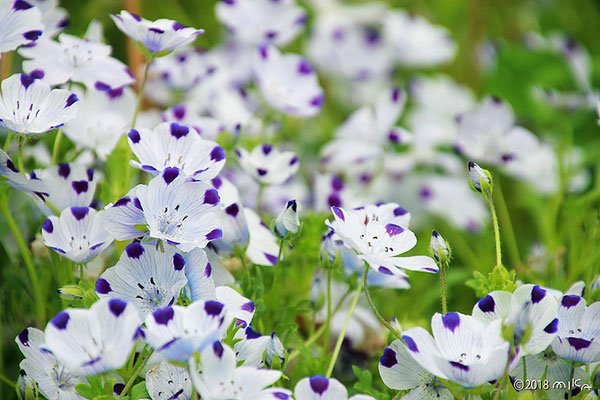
<point>81,272</point>
<point>524,369</point>
<point>442,267</point>
<point>329,313</point>
<point>569,385</point>
<point>490,202</point>
<point>136,372</point>
<point>261,188</point>
<point>6,380</point>
<point>507,227</point>
<point>340,340</point>
<point>56,146</point>
<point>315,336</point>
<point>140,98</point>
<point>504,375</point>
<point>38,299</point>
<point>20,142</point>
<point>382,320</point>
<point>8,140</point>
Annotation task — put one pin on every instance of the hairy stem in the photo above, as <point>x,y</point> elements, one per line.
<point>490,202</point>
<point>507,227</point>
<point>56,146</point>
<point>382,320</point>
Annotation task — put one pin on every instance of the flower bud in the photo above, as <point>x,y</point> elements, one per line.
<point>275,348</point>
<point>287,220</point>
<point>71,292</point>
<point>439,247</point>
<point>481,179</point>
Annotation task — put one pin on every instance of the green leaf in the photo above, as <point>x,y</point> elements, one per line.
<point>139,391</point>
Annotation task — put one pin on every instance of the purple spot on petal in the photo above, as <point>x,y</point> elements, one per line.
<point>26,80</point>
<point>21,5</point>
<point>339,213</point>
<point>134,250</point>
<point>410,343</point>
<point>261,171</point>
<point>64,170</point>
<point>271,258</point>
<point>123,201</point>
<point>71,100</point>
<point>266,149</point>
<point>80,186</point>
<point>214,234</point>
<point>164,315</point>
<point>179,112</point>
<point>61,320</point>
<point>385,270</point>
<point>218,349</point>
<point>24,337</point>
<point>101,86</point>
<point>319,384</point>
<point>116,306</point>
<point>570,300</point>
<point>211,196</point>
<point>232,210</point>
<point>487,304</point>
<point>79,212</point>
<point>388,359</point>
<point>178,262</point>
<point>393,229</point>
<point>459,366</point>
<point>399,211</point>
<point>216,182</point>
<point>32,35</point>
<point>213,308</point>
<point>317,101</point>
<point>451,321</point>
<point>304,68</point>
<point>578,343</point>
<point>249,306</point>
<point>10,165</point>
<point>334,200</point>
<point>177,26</point>
<point>217,154</point>
<point>37,74</point>
<point>537,294</point>
<point>170,174</point>
<point>337,183</point>
<point>102,286</point>
<point>47,226</point>
<point>178,131</point>
<point>552,327</point>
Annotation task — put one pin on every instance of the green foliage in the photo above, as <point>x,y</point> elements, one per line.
<point>498,279</point>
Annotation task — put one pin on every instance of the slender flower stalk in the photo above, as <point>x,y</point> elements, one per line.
<point>56,145</point>
<point>490,202</point>
<point>382,320</point>
<point>38,299</point>
<point>340,340</point>
<point>442,254</point>
<point>507,227</point>
<point>135,374</point>
<point>500,386</point>
<point>329,313</point>
<point>21,139</point>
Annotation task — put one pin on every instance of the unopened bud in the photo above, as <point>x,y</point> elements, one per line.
<point>274,349</point>
<point>71,292</point>
<point>287,221</point>
<point>481,179</point>
<point>439,247</point>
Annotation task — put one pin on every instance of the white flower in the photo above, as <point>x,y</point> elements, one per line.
<point>53,379</point>
<point>208,128</point>
<point>320,388</point>
<point>20,23</point>
<point>262,245</point>
<point>17,180</point>
<point>31,106</point>
<point>463,349</point>
<point>418,43</point>
<point>78,234</point>
<point>258,22</point>
<point>179,146</point>
<point>178,332</point>
<point>166,381</point>
<point>287,82</point>
<point>221,379</point>
<point>145,277</point>
<point>379,242</point>
<point>73,59</point>
<point>268,165</point>
<point>578,331</point>
<point>549,367</point>
<point>287,221</point>
<point>529,308</point>
<point>103,117</point>
<point>160,36</point>
<point>94,340</point>
<point>254,348</point>
<point>199,274</point>
<point>66,185</point>
<point>54,18</point>
<point>361,137</point>
<point>400,371</point>
<point>173,207</point>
